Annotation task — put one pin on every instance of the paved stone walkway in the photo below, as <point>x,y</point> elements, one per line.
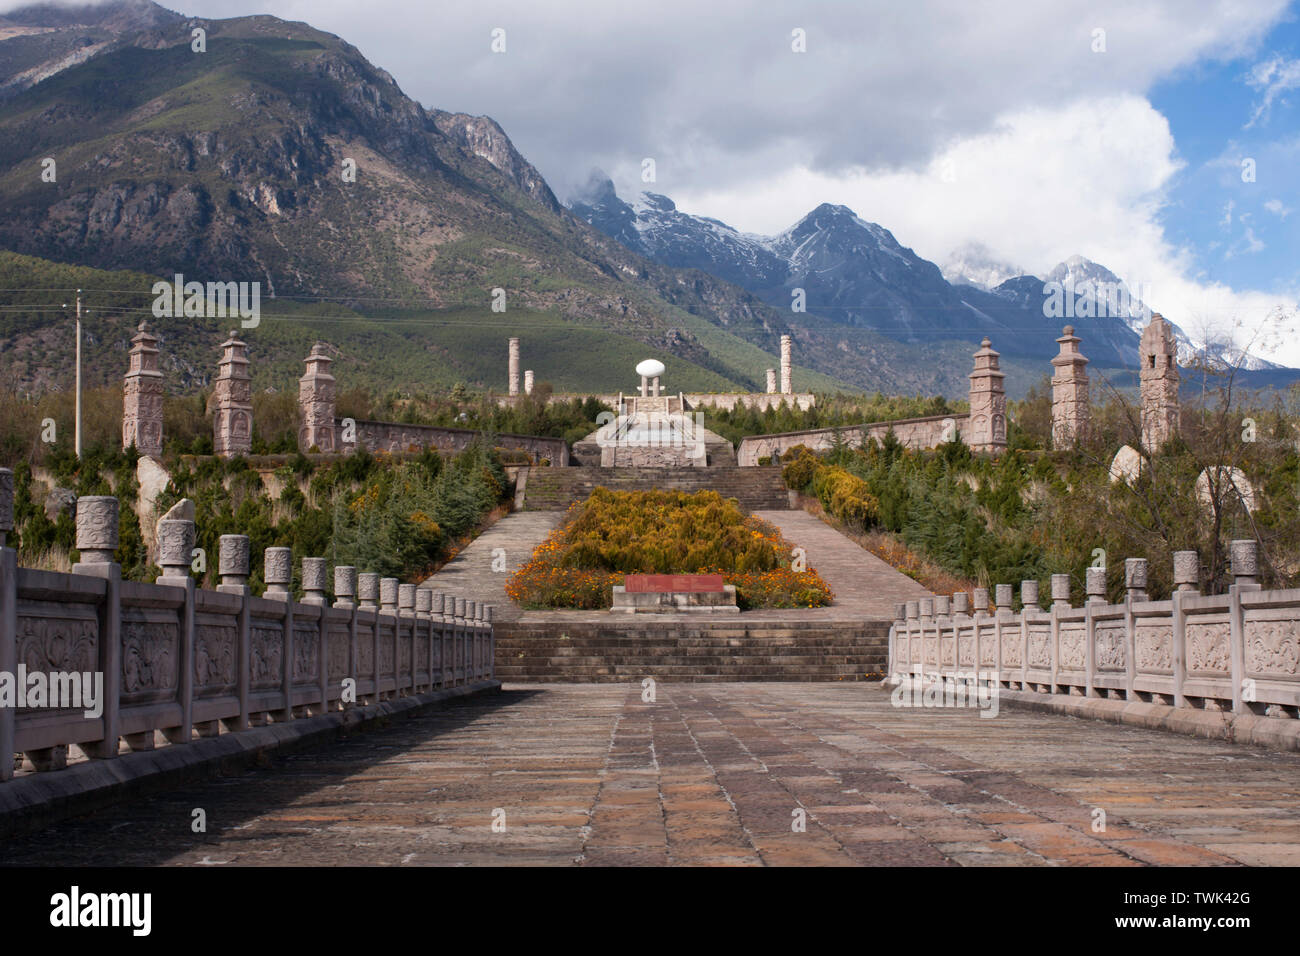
<point>711,774</point>
<point>470,574</point>
<point>865,587</point>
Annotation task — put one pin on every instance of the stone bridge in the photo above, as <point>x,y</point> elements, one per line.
<point>249,709</point>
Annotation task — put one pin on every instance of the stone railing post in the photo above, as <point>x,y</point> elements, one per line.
<point>9,621</point>
<point>442,606</point>
<point>980,602</point>
<point>388,595</point>
<point>1060,603</point>
<point>1245,566</point>
<point>424,631</point>
<point>388,606</point>
<point>460,640</point>
<point>1187,576</point>
<point>896,656</point>
<point>345,592</point>
<point>1135,590</point>
<point>97,540</point>
<point>345,586</point>
<point>912,613</point>
<point>233,567</point>
<point>314,571</point>
<point>368,590</point>
<point>277,565</point>
<point>1096,585</point>
<point>489,613</point>
<point>1028,605</point>
<point>407,624</point>
<point>176,537</point>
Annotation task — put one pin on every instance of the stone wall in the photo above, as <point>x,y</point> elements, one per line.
<point>691,650</point>
<point>190,662</point>
<point>395,437</point>
<point>927,432</point>
<point>1238,651</point>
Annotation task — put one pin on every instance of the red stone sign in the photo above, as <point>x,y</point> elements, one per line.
<point>670,583</point>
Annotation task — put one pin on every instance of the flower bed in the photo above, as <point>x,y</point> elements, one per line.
<point>614,533</point>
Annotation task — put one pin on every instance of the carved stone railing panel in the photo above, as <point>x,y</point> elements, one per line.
<point>216,655</point>
<point>1109,651</point>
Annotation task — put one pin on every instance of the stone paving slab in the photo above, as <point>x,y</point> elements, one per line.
<point>717,775</point>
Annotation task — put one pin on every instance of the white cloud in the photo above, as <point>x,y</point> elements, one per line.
<point>1276,207</point>
<point>1275,76</point>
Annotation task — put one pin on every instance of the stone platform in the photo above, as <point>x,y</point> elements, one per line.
<point>712,774</point>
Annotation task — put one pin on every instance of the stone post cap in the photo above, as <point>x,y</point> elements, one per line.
<point>927,607</point>
<point>233,555</point>
<point>1187,570</point>
<point>900,611</point>
<point>6,501</point>
<point>278,566</point>
<point>313,574</point>
<point>1245,557</point>
<point>1029,593</point>
<point>1061,587</point>
<point>941,604</point>
<point>488,610</point>
<point>388,592</point>
<point>1002,595</point>
<point>1135,574</point>
<point>960,602</point>
<point>1095,583</point>
<point>423,600</point>
<point>345,581</point>
<point>368,586</point>
<point>913,609</point>
<point>980,599</point>
<point>97,528</point>
<point>406,596</point>
<point>175,543</point>
<point>460,607</point>
<point>437,598</point>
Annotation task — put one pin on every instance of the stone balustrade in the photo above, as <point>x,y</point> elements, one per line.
<point>1238,651</point>
<point>188,662</point>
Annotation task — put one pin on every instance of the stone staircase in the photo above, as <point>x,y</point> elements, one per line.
<point>691,651</point>
<point>554,489</point>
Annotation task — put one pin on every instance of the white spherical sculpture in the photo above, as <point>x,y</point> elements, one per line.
<point>650,368</point>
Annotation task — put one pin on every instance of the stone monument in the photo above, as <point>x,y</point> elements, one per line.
<point>787,388</point>
<point>232,426</point>
<point>142,397</point>
<point>317,392</point>
<point>988,402</point>
<point>1070,410</point>
<point>1158,354</point>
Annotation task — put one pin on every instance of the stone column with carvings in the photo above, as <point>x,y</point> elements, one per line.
<point>787,387</point>
<point>514,366</point>
<point>317,393</point>
<point>988,402</point>
<point>142,397</point>
<point>1158,355</point>
<point>1070,409</point>
<point>528,381</point>
<point>232,426</point>
<point>771,381</point>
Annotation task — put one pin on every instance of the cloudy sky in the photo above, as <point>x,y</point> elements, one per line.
<point>1029,130</point>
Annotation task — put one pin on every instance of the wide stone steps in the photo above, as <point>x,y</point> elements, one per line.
<point>554,489</point>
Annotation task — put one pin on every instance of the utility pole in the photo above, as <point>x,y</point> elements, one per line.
<point>77,434</point>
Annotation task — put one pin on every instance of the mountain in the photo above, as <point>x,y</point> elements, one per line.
<point>854,273</point>
<point>235,164</point>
